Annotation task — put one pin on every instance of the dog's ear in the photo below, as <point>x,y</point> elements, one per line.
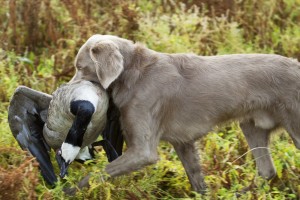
<point>108,62</point>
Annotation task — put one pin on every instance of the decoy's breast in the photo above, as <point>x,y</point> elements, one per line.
<point>60,117</point>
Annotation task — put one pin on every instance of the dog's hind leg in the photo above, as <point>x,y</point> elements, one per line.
<point>292,126</point>
<point>258,141</point>
<point>189,157</point>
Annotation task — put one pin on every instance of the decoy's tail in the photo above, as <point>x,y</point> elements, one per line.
<point>112,135</point>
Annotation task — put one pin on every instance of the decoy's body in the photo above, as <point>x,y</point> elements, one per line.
<point>70,121</point>
<point>82,105</point>
<point>76,117</point>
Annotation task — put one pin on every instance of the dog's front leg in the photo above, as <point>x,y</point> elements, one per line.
<point>189,157</point>
<point>141,145</point>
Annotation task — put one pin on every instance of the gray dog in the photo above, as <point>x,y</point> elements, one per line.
<point>181,97</point>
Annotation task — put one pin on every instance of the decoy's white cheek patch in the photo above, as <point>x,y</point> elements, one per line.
<point>69,152</point>
<point>84,154</point>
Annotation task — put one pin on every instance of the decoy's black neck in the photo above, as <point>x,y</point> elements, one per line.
<point>83,111</point>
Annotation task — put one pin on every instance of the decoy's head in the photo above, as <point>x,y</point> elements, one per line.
<point>65,156</point>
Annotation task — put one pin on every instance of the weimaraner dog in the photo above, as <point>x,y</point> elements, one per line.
<point>181,97</point>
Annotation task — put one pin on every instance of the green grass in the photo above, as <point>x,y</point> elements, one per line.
<point>39,52</point>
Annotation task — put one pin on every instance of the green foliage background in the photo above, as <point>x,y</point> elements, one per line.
<point>40,38</point>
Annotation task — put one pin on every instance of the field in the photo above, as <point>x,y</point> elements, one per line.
<point>39,40</point>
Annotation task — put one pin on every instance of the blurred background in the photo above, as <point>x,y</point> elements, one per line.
<point>39,40</point>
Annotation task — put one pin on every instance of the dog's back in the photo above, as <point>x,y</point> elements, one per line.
<point>199,92</point>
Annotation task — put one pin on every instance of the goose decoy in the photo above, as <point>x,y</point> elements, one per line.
<point>69,122</point>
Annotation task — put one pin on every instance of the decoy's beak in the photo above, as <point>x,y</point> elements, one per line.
<point>63,169</point>
<point>63,165</point>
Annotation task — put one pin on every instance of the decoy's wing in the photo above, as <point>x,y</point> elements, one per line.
<point>26,117</point>
<point>112,136</point>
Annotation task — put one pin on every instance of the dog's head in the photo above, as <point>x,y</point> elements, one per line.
<point>99,60</point>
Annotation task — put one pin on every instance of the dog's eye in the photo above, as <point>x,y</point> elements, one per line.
<point>79,67</point>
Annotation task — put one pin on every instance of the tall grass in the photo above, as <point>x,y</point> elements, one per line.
<point>40,38</point>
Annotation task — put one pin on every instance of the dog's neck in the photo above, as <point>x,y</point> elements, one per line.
<point>136,59</point>
<point>138,56</point>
